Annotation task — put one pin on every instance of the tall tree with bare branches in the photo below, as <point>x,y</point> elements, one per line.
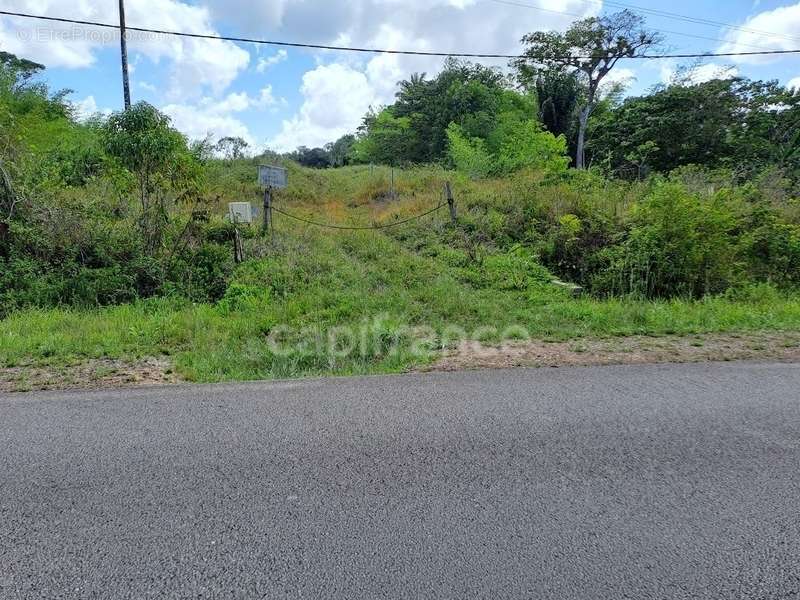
<point>590,48</point>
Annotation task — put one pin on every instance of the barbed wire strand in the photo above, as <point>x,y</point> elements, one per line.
<point>357,228</point>
<point>209,36</point>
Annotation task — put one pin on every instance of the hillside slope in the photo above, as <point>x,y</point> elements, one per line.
<point>314,300</point>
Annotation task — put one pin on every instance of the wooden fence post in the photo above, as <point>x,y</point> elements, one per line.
<point>448,192</point>
<point>238,247</point>
<point>267,211</point>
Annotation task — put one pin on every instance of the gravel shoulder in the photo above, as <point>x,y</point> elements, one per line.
<point>122,373</point>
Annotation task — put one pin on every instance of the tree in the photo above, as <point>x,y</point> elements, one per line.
<point>737,123</point>
<point>386,139</point>
<point>415,126</point>
<point>515,144</point>
<point>340,151</point>
<point>316,158</point>
<point>590,48</point>
<point>143,141</point>
<point>24,68</point>
<point>232,148</point>
<point>558,95</point>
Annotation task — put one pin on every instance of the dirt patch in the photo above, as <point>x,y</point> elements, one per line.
<point>783,346</point>
<point>90,374</point>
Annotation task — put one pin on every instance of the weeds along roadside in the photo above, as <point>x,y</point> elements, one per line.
<point>309,281</point>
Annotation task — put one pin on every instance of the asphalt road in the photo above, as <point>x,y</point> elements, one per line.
<point>611,482</point>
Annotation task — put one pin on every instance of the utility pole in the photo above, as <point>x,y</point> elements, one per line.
<point>123,43</point>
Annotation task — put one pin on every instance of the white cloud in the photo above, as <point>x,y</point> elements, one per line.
<point>698,73</point>
<point>783,21</point>
<point>195,65</point>
<point>335,98</point>
<point>337,93</point>
<point>449,24</point>
<point>794,84</point>
<point>619,77</point>
<point>265,63</point>
<point>87,108</point>
<point>219,117</point>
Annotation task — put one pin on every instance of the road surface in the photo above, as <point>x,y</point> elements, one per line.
<point>672,481</point>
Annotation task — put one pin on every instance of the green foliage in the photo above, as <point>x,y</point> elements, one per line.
<point>389,139</point>
<point>513,145</point>
<point>231,147</point>
<point>515,270</point>
<point>679,243</point>
<point>771,247</point>
<point>559,95</point>
<point>414,128</point>
<point>68,225</point>
<point>124,212</point>
<point>735,122</point>
<point>341,151</point>
<point>469,155</point>
<point>589,49</point>
<point>524,144</point>
<point>142,140</point>
<point>239,297</point>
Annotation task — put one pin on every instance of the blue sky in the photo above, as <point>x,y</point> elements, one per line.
<point>283,98</point>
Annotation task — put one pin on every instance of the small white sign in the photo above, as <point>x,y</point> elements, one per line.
<point>270,176</point>
<point>240,212</point>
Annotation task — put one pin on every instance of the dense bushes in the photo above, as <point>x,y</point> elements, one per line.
<point>516,144</point>
<point>123,208</point>
<point>661,238</point>
<point>99,212</point>
<point>729,122</point>
<point>111,266</point>
<point>677,243</point>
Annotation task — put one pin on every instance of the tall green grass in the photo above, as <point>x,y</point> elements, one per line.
<point>308,281</point>
<point>305,282</point>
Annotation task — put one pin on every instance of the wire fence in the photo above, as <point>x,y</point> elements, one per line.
<point>356,227</point>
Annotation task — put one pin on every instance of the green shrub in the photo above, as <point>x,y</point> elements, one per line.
<point>201,274</point>
<point>515,144</point>
<point>239,297</point>
<point>678,244</point>
<point>469,155</point>
<point>516,270</point>
<point>772,249</point>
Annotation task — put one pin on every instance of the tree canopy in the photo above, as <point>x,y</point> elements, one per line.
<point>414,128</point>
<point>589,49</point>
<point>737,123</point>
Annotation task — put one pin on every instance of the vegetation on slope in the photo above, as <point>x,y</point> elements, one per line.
<point>114,242</point>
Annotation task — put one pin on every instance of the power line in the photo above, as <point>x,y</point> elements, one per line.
<point>207,36</point>
<point>697,20</point>
<point>661,13</point>
<point>578,16</point>
<point>356,228</point>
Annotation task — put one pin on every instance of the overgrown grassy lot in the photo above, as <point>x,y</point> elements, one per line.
<point>311,300</point>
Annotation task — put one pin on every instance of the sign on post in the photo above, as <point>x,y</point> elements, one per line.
<point>272,177</point>
<point>240,212</point>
